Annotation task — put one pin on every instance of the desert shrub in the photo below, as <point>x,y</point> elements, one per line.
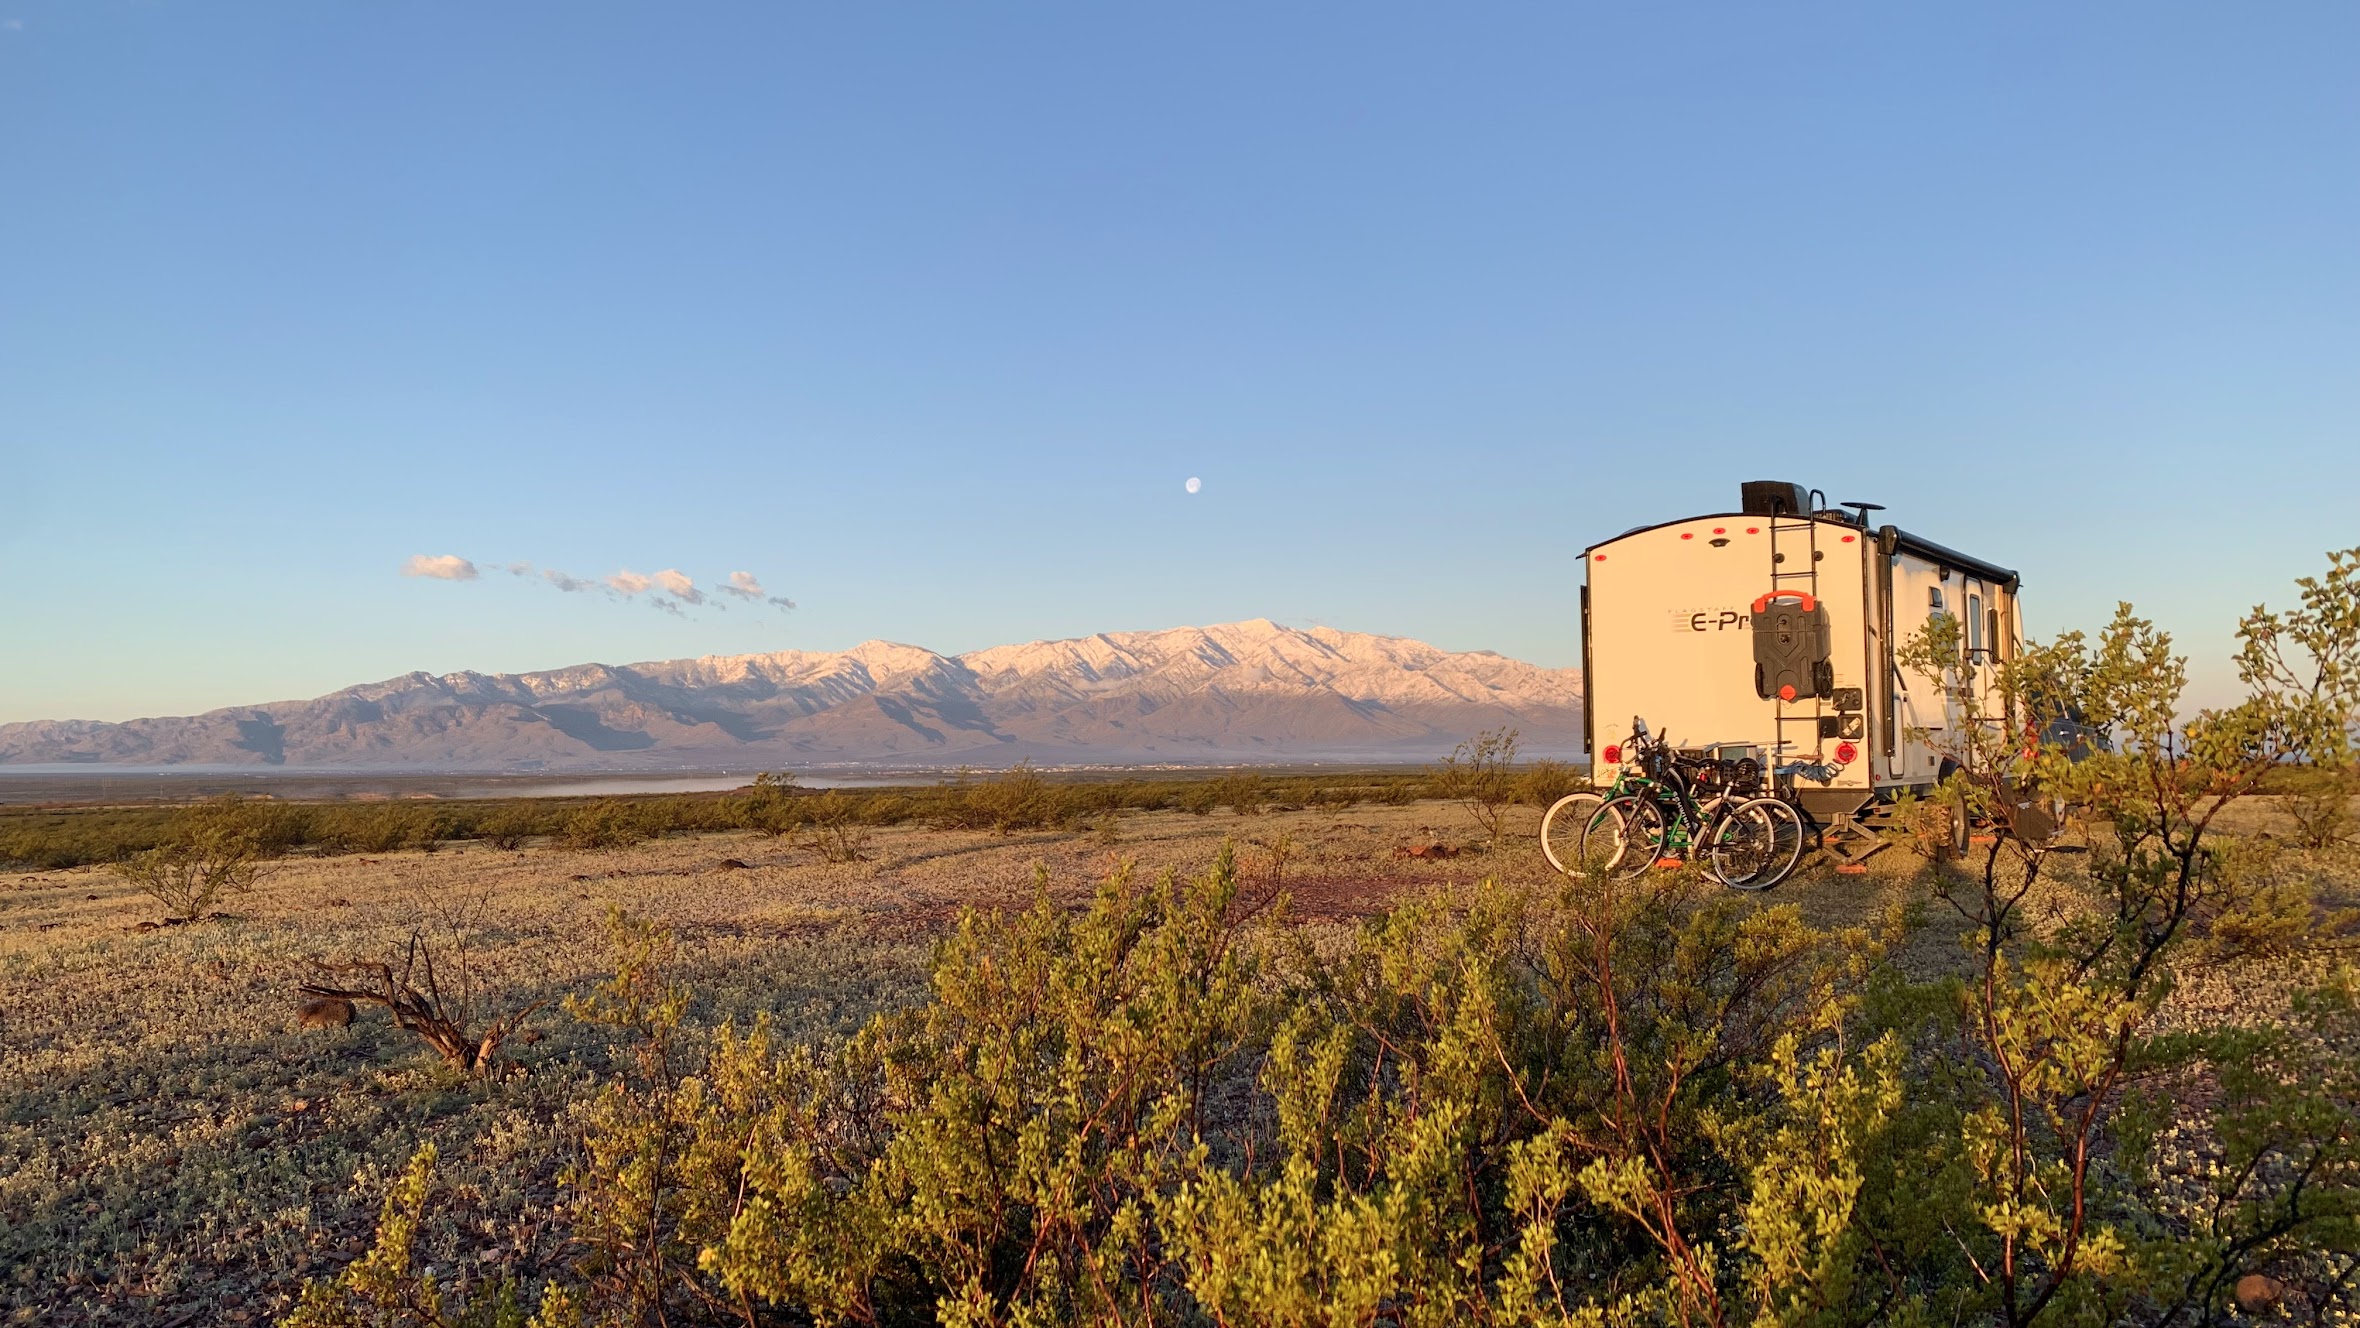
<point>2320,803</point>
<point>1331,797</point>
<point>1245,792</point>
<point>435,982</point>
<point>1017,798</point>
<point>835,827</point>
<point>210,851</point>
<point>768,805</point>
<point>46,840</point>
<point>51,838</point>
<point>1480,775</point>
<point>1919,826</point>
<point>385,1288</point>
<point>381,827</point>
<point>608,823</point>
<point>507,828</point>
<point>1542,783</point>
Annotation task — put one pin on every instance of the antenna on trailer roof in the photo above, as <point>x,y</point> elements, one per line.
<point>1863,509</point>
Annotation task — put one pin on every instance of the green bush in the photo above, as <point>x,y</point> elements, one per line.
<point>770,805</point>
<point>837,826</point>
<point>1245,792</point>
<point>46,838</point>
<point>2320,802</point>
<point>1542,783</point>
<point>1017,798</point>
<point>507,827</point>
<point>210,851</point>
<point>608,823</point>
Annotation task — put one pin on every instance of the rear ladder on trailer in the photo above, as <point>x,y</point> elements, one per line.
<point>1806,581</point>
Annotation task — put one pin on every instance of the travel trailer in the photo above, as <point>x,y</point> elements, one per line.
<point>1772,632</point>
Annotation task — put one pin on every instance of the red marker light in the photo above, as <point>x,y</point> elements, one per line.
<point>1847,539</point>
<point>1786,693</point>
<point>1718,530</point>
<point>1601,557</point>
<point>1685,535</point>
<point>1613,753</point>
<point>1753,530</point>
<point>1846,753</point>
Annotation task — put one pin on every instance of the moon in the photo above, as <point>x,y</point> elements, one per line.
<point>1193,484</point>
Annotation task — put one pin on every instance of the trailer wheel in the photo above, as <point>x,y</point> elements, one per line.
<point>1954,803</point>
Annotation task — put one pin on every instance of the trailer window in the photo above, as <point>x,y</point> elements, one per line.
<point>1974,624</point>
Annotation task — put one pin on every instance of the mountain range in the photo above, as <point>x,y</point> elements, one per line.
<point>1237,692</point>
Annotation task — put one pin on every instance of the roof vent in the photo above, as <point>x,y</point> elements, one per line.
<point>1774,498</point>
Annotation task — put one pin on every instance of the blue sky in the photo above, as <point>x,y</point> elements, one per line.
<point>924,314</point>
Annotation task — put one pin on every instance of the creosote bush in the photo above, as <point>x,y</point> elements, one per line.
<point>1480,775</point>
<point>210,851</point>
<point>608,823</point>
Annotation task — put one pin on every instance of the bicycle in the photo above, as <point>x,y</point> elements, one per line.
<point>1652,815</point>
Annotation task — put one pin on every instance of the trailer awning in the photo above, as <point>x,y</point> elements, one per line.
<point>1894,539</point>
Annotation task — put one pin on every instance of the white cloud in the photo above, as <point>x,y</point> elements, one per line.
<point>441,567</point>
<point>748,587</point>
<point>670,590</point>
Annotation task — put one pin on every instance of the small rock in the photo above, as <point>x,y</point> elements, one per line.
<point>90,897</point>
<point>726,864</point>
<point>2256,1293</point>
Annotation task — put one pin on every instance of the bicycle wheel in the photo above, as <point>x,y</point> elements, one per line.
<point>1640,831</point>
<point>1563,828</point>
<point>1784,844</point>
<point>1738,845</point>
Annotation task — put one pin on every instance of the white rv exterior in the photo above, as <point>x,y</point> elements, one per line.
<point>1668,617</point>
